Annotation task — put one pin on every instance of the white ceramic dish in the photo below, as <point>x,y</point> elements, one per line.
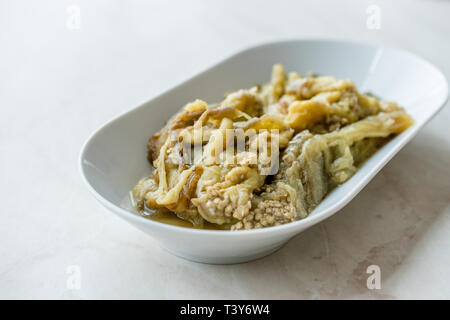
<point>114,157</point>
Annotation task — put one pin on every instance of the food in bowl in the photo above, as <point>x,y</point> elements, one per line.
<point>264,156</point>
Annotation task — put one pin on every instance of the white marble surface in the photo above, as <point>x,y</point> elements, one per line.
<point>57,85</point>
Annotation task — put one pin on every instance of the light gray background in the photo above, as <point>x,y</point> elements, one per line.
<point>57,85</point>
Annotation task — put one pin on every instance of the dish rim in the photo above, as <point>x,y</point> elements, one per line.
<point>304,223</point>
